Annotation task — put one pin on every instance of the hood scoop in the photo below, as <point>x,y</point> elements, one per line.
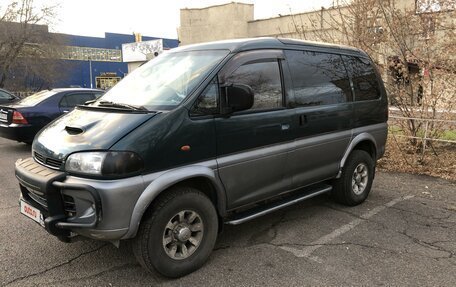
<point>74,130</point>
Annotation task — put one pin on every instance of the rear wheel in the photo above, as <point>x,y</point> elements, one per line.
<point>178,234</point>
<point>354,185</point>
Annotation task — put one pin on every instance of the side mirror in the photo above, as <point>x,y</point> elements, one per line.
<point>237,98</point>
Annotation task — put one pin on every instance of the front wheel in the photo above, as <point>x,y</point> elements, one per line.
<point>354,185</point>
<point>178,234</point>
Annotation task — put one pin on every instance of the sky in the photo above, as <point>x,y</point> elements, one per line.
<point>152,17</point>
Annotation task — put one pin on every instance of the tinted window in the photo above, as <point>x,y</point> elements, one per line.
<point>318,79</point>
<point>364,78</point>
<point>36,98</point>
<point>264,79</point>
<point>207,101</point>
<point>72,100</point>
<point>5,96</point>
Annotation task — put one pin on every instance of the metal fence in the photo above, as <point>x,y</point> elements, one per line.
<point>425,137</point>
<point>449,125</point>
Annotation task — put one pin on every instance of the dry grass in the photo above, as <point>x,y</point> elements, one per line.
<point>439,159</point>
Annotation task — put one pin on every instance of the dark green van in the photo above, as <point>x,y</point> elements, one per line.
<point>206,135</point>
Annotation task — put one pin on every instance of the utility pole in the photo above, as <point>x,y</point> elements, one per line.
<point>90,72</point>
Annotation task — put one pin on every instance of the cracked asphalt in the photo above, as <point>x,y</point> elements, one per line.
<point>403,235</point>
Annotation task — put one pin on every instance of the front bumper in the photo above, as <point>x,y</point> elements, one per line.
<point>98,209</point>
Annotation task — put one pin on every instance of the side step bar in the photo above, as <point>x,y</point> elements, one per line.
<point>262,210</point>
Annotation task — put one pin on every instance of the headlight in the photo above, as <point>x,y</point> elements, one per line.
<point>85,162</point>
<point>110,163</point>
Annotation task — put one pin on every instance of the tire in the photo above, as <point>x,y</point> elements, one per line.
<point>180,217</point>
<point>355,183</point>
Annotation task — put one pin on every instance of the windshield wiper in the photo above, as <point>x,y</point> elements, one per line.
<point>121,105</point>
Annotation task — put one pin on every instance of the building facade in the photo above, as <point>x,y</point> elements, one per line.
<point>97,62</point>
<point>55,60</point>
<point>236,20</point>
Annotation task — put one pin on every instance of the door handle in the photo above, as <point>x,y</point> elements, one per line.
<point>302,120</point>
<point>285,127</point>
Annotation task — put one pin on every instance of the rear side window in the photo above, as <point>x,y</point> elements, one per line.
<point>36,98</point>
<point>318,79</point>
<point>5,96</point>
<point>72,100</point>
<point>264,79</point>
<point>364,78</point>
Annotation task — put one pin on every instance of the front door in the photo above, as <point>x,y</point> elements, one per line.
<point>253,145</point>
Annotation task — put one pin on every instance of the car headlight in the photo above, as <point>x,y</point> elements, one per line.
<point>109,163</point>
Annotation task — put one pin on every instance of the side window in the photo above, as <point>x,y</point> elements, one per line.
<point>4,96</point>
<point>318,79</point>
<point>264,79</point>
<point>364,79</point>
<point>206,104</point>
<point>72,100</point>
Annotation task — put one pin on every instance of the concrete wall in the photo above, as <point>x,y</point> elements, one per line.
<point>303,25</point>
<point>235,20</point>
<point>213,23</point>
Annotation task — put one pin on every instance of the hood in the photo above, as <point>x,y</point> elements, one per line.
<point>82,130</point>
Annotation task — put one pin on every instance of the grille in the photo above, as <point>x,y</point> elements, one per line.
<point>68,201</point>
<point>40,200</point>
<point>50,162</point>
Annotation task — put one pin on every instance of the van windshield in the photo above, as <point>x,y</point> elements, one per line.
<point>162,83</point>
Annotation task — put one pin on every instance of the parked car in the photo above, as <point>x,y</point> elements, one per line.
<point>206,135</point>
<point>7,97</point>
<point>22,120</point>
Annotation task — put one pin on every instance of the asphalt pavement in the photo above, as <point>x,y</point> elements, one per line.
<point>403,235</point>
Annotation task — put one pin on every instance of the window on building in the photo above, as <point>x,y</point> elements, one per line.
<point>428,26</point>
<point>318,79</point>
<point>432,6</point>
<point>94,54</point>
<point>264,79</point>
<point>106,82</point>
<point>364,78</point>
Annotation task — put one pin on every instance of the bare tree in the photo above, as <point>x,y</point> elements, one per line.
<point>26,46</point>
<point>414,46</point>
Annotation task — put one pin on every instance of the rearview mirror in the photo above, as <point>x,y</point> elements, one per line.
<point>237,98</point>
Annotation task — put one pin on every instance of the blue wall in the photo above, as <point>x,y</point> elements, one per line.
<point>77,72</point>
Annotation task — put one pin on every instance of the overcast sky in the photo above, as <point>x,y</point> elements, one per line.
<point>152,17</point>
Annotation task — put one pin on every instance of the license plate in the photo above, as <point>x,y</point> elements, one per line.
<point>3,117</point>
<point>32,212</point>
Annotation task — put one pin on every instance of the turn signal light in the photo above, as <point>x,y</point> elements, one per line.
<point>18,118</point>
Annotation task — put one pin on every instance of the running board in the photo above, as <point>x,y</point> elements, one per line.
<point>262,210</point>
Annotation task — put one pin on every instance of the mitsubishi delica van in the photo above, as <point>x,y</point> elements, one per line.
<point>206,135</point>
